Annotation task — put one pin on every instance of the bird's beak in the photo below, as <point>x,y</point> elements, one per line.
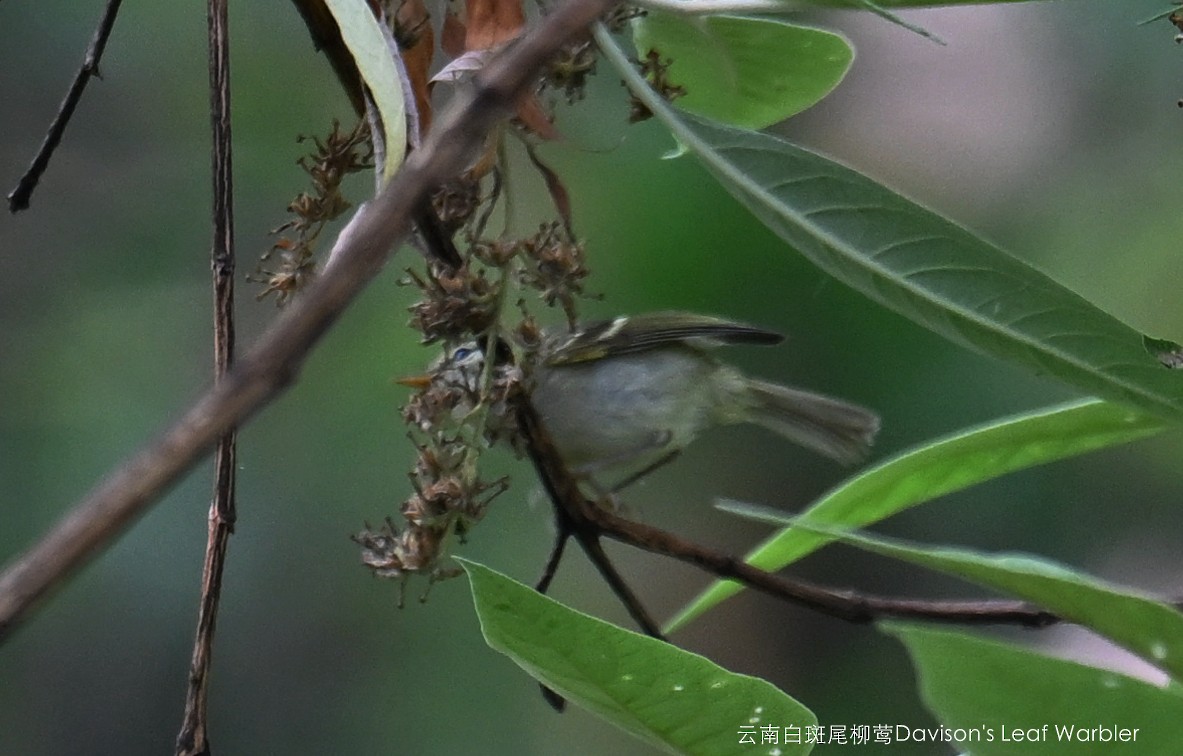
<point>415,381</point>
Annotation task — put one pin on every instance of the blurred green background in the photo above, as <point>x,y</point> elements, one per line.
<point>1049,128</point>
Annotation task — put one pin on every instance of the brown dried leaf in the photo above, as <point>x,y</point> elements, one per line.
<point>414,23</point>
<point>452,35</point>
<point>534,117</point>
<point>558,192</point>
<point>490,23</point>
<point>462,67</point>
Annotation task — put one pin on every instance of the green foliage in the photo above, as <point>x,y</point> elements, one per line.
<point>1143,625</point>
<point>672,698</point>
<point>750,72</point>
<point>997,689</point>
<point>938,468</point>
<point>950,281</point>
<point>367,43</point>
<point>921,264</point>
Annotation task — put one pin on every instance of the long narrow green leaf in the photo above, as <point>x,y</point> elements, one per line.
<point>671,698</point>
<point>995,699</point>
<point>938,468</point>
<point>368,46</point>
<point>1143,625</point>
<point>919,263</point>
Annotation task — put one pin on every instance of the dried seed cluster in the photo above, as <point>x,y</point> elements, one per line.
<point>291,262</point>
<point>656,71</point>
<point>463,407</point>
<point>465,403</point>
<point>569,71</point>
<point>455,304</point>
<point>556,266</point>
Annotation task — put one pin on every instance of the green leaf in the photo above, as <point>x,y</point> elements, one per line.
<point>938,468</point>
<point>918,263</point>
<point>671,698</point>
<point>368,45</point>
<point>1135,622</point>
<point>993,690</point>
<point>750,72</point>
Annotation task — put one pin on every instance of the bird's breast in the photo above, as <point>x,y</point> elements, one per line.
<point>627,407</point>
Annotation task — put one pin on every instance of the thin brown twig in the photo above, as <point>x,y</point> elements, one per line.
<point>562,535</point>
<point>591,545</point>
<point>552,562</point>
<point>568,502</point>
<point>594,549</point>
<point>272,364</point>
<point>193,738</point>
<point>18,198</point>
<point>851,606</point>
<point>584,516</point>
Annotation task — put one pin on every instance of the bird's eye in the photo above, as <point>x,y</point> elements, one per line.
<point>462,353</point>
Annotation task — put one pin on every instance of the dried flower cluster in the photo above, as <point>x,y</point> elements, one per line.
<point>464,404</point>
<point>656,71</point>
<point>556,267</point>
<point>457,200</point>
<point>568,72</point>
<point>464,401</point>
<point>463,407</point>
<point>455,304</point>
<point>291,262</point>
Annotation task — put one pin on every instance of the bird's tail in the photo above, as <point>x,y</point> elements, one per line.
<point>835,428</point>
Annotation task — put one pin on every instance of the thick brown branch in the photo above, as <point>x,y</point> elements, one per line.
<point>268,367</point>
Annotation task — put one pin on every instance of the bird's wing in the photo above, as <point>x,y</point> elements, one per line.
<point>637,333</point>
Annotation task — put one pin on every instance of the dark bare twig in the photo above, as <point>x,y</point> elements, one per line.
<point>437,242</point>
<point>846,605</point>
<point>586,517</point>
<point>271,365</point>
<point>568,501</point>
<point>193,738</point>
<point>562,535</point>
<point>18,198</point>
<point>590,542</point>
<point>326,38</point>
<point>595,552</point>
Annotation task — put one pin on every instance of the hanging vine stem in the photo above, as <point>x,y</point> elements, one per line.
<point>193,737</point>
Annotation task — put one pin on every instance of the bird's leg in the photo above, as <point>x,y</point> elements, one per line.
<point>607,496</point>
<point>652,467</point>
